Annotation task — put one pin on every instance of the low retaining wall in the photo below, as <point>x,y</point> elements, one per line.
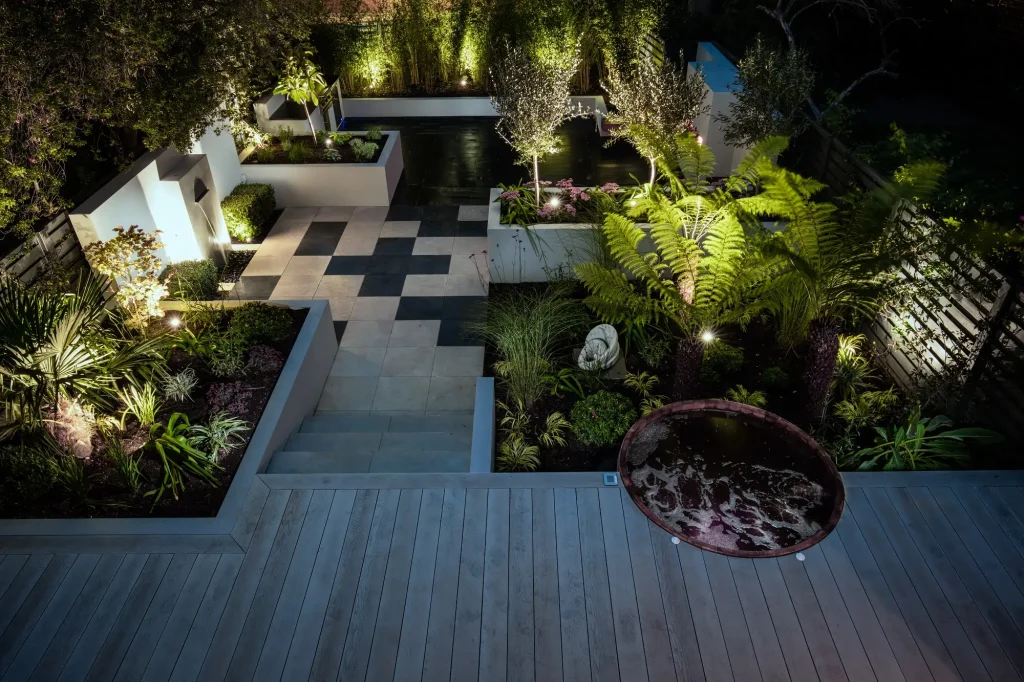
<point>294,397</point>
<point>403,107</point>
<point>481,458</point>
<point>334,184</point>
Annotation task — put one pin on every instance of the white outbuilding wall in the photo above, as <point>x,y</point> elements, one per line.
<point>720,79</point>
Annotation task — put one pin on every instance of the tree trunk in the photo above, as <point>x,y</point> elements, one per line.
<point>654,170</point>
<point>312,130</point>
<point>689,356</point>
<point>536,179</point>
<point>822,351</point>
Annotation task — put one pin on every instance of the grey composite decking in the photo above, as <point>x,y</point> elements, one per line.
<point>483,578</point>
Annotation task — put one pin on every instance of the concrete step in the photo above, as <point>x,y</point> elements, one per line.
<point>326,422</point>
<point>334,442</point>
<point>385,461</point>
<point>344,443</point>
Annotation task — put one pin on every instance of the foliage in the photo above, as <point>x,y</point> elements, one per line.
<point>775,380</point>
<point>518,205</point>
<point>224,352</point>
<point>531,98</point>
<point>602,418</point>
<point>703,273</point>
<point>178,387</point>
<point>373,133</point>
<point>331,155</point>
<point>223,432</point>
<point>853,370</point>
<point>516,454</point>
<point>554,428</point>
<point>303,84</point>
<point>653,103</point>
<point>643,385</point>
<point>263,155</point>
<point>69,473</point>
<point>124,73</point>
<point>564,381</point>
<point>248,209</point>
<point>25,470</point>
<point>264,360</point>
<point>231,397</point>
<point>248,135</point>
<point>130,259</point>
<point>300,153</point>
<point>126,465</point>
<point>179,457</point>
<point>362,149</point>
<point>192,280</point>
<point>339,138</point>
<point>866,409</point>
<point>721,362</point>
<point>258,322</point>
<point>525,329</point>
<point>921,443</point>
<point>771,87</point>
<point>141,403</point>
<point>285,137</point>
<point>55,347</point>
<point>745,397</point>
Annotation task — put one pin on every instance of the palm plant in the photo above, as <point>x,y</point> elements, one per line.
<point>303,83</point>
<point>55,347</point>
<point>746,397</point>
<point>703,273</point>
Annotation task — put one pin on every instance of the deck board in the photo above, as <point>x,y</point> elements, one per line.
<point>493,579</point>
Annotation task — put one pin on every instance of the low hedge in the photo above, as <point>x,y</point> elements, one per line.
<point>192,280</point>
<point>248,209</point>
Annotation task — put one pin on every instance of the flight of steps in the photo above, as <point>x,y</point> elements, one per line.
<point>331,443</point>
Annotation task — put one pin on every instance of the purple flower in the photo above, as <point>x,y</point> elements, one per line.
<point>609,186</point>
<point>510,194</point>
<point>544,213</point>
<point>584,196</point>
<point>564,184</point>
<point>545,183</point>
<point>570,209</point>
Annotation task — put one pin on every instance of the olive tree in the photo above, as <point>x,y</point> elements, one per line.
<point>532,100</point>
<point>654,103</point>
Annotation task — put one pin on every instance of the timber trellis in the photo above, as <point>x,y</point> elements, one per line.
<point>973,329</point>
<point>57,240</point>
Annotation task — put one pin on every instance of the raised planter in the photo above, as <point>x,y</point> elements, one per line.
<point>731,478</point>
<point>294,397</point>
<point>419,107</point>
<point>334,184</point>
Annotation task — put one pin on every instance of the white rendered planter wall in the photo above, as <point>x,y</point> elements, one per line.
<point>334,184</point>
<point>401,107</point>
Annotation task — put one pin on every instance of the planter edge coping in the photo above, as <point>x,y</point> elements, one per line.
<point>381,162</point>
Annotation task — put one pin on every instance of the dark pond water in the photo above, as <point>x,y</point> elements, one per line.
<point>731,483</point>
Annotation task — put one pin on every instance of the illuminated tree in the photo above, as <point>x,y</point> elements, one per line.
<point>302,83</point>
<point>653,104</point>
<point>532,100</point>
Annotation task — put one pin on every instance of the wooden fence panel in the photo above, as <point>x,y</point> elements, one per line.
<point>57,239</point>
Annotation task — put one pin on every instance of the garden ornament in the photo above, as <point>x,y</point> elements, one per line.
<point>601,349</point>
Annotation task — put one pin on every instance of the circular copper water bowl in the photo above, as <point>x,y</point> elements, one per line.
<point>807,448</point>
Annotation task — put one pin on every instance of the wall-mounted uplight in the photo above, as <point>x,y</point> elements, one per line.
<point>708,336</point>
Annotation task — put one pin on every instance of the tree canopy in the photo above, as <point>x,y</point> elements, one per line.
<point>165,70</point>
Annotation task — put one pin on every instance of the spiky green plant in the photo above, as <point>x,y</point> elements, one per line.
<point>223,432</point>
<point>745,397</point>
<point>141,403</point>
<point>866,409</point>
<point>525,330</point>
<point>179,456</point>
<point>554,430</point>
<point>55,346</point>
<point>703,273</point>
<point>516,454</point>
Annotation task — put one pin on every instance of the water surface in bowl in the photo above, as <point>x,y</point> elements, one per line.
<point>730,482</point>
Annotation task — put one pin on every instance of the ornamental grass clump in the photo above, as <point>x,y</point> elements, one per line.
<point>526,329</point>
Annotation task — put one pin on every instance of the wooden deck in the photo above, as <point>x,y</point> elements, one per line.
<point>511,583</point>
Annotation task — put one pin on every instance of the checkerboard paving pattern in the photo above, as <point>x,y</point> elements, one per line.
<point>402,282</point>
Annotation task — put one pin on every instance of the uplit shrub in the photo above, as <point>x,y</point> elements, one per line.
<point>248,209</point>
<point>257,322</point>
<point>602,419</point>
<point>130,258</point>
<point>191,280</point>
<point>721,362</point>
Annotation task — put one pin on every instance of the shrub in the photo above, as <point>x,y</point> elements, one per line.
<point>191,280</point>
<point>602,419</point>
<point>721,362</point>
<point>265,155</point>
<point>284,136</point>
<point>257,322</point>
<point>340,138</point>
<point>226,353</point>
<point>130,258</point>
<point>332,155</point>
<point>300,153</point>
<point>373,133</point>
<point>363,151</point>
<point>26,470</point>
<point>248,209</point>
<point>775,380</point>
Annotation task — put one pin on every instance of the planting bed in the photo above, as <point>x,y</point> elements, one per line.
<point>280,155</point>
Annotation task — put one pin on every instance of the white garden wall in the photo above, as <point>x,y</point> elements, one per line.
<point>334,184</point>
<point>265,107</point>
<point>720,79</point>
<point>159,192</point>
<point>219,147</point>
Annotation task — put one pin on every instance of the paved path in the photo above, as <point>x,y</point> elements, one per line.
<point>533,577</point>
<point>402,281</point>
